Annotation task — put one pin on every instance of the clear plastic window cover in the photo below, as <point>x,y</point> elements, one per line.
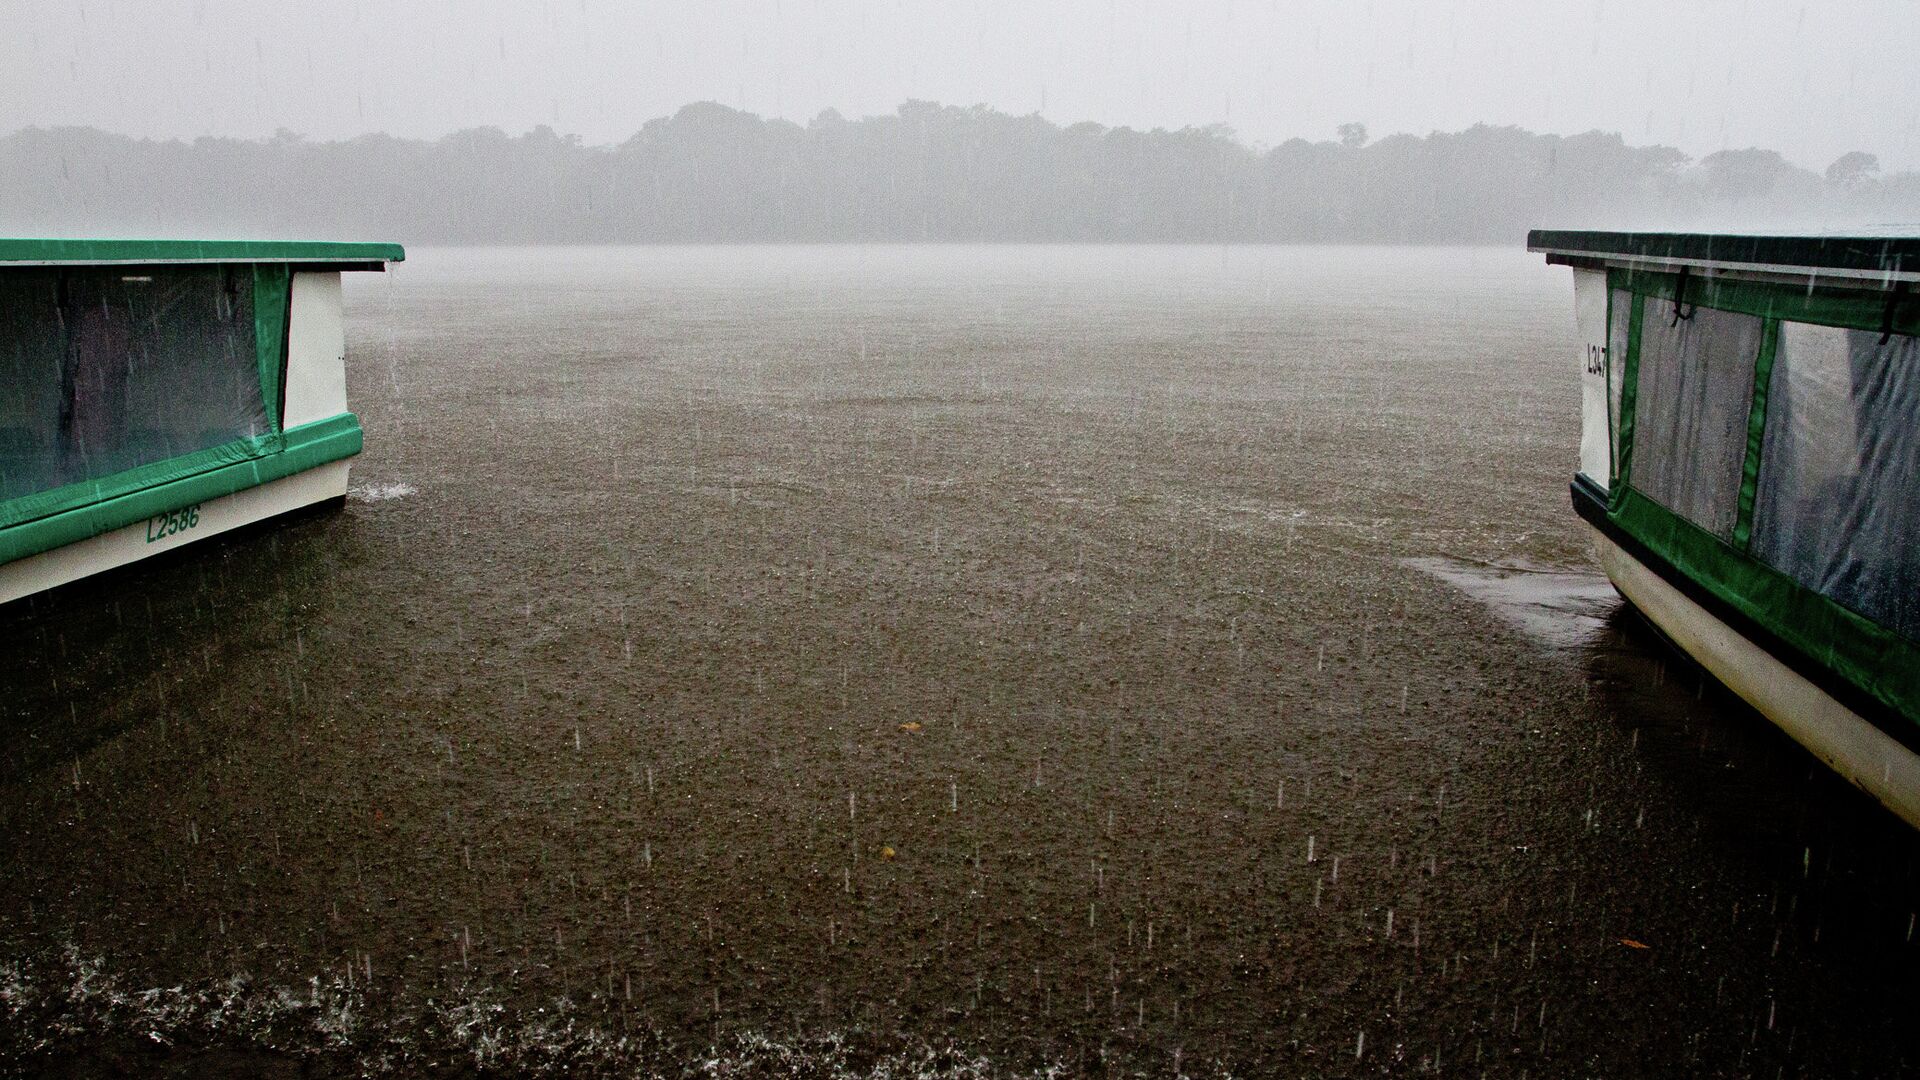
<point>1690,414</point>
<point>1619,318</point>
<point>1837,506</point>
<point>110,368</point>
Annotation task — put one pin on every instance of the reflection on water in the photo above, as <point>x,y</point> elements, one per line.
<point>107,654</point>
<point>1678,718</point>
<point>1845,866</point>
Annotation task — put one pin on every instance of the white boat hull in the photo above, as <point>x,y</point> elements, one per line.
<point>1852,746</point>
<point>142,539</point>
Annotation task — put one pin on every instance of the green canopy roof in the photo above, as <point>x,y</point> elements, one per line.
<point>1893,255</point>
<point>345,256</point>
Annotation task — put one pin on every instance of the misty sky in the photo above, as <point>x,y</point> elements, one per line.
<point>1810,80</point>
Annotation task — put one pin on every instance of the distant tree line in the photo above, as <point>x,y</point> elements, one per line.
<point>927,172</point>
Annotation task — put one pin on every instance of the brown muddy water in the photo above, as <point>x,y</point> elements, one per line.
<point>928,661</point>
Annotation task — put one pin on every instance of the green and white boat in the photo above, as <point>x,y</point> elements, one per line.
<point>155,392</point>
<point>1750,468</point>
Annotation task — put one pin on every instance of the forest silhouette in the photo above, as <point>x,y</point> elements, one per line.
<point>926,172</point>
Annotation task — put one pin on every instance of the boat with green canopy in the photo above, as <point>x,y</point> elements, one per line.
<point>1750,470</point>
<point>157,392</point>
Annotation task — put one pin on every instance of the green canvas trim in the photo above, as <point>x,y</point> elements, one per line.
<point>182,482</point>
<point>166,251</point>
<point>272,314</point>
<point>1880,663</point>
<point>1851,308</point>
<point>42,504</point>
<point>1629,398</point>
<point>1756,432</point>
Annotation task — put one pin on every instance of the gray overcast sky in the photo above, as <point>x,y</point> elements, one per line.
<point>1810,80</point>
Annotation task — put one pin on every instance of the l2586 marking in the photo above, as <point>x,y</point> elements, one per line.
<point>172,522</point>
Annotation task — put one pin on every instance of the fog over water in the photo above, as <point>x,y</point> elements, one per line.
<point>927,661</point>
<point>1123,121</point>
<point>1811,81</point>
<point>924,172</point>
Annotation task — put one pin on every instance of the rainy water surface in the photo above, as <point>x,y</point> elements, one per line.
<point>928,661</point>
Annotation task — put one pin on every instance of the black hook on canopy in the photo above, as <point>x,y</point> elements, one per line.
<point>1679,296</point>
<point>1894,300</point>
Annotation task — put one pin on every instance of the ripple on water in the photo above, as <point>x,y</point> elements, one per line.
<point>1561,607</point>
<point>64,1006</point>
<point>380,491</point>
